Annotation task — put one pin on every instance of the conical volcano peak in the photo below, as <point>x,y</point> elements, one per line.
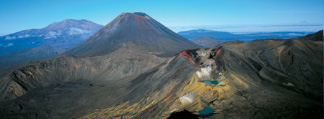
<point>140,14</point>
<point>135,13</point>
<point>72,23</point>
<point>138,28</point>
<point>127,17</point>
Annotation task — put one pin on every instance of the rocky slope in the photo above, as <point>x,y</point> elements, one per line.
<point>36,74</point>
<point>135,27</point>
<point>132,57</point>
<point>273,78</point>
<point>75,72</point>
<point>242,80</point>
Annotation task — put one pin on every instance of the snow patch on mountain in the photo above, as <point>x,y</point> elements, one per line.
<point>75,31</point>
<point>8,45</point>
<point>10,38</point>
<point>53,34</point>
<point>24,36</point>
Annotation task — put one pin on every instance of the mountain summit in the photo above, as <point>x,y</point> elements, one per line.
<point>68,33</point>
<point>36,44</point>
<point>75,24</point>
<point>138,28</point>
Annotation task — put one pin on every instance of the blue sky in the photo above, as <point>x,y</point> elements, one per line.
<point>19,15</point>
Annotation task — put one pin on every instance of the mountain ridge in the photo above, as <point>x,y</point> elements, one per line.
<point>59,36</point>
<point>228,36</point>
<point>207,41</point>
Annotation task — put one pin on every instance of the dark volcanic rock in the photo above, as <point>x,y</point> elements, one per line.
<point>259,79</point>
<point>133,27</point>
<point>283,78</point>
<point>183,115</point>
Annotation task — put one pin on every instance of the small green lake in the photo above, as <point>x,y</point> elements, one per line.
<point>206,111</point>
<point>209,82</point>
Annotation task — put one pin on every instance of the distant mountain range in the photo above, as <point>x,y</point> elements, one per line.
<point>55,38</point>
<point>227,36</point>
<point>58,37</point>
<point>207,41</point>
